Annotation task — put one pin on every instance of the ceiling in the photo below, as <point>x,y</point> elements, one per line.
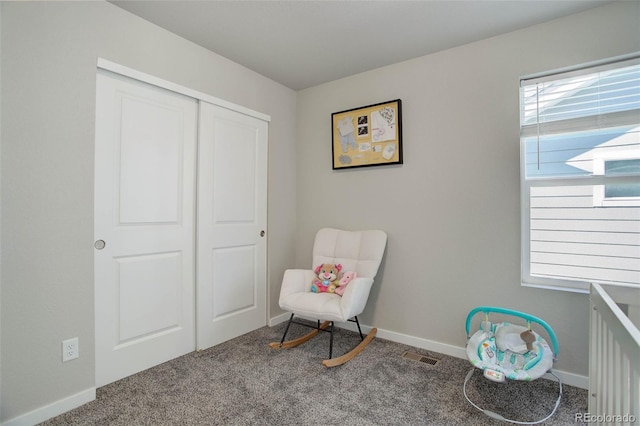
<point>304,43</point>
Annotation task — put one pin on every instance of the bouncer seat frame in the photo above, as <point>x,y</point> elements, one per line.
<point>500,351</point>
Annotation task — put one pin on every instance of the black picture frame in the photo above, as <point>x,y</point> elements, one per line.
<point>367,136</point>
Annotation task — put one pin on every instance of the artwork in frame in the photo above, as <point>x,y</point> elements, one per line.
<point>367,136</point>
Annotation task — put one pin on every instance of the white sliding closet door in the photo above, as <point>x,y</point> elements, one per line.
<point>144,214</point>
<point>167,283</point>
<point>232,219</point>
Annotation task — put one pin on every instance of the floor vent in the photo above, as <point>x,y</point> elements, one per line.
<point>422,358</point>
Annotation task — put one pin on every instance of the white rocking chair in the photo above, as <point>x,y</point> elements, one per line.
<point>359,251</point>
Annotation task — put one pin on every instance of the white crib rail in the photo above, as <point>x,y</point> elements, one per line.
<point>614,357</point>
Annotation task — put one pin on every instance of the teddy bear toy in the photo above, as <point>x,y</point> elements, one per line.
<point>327,278</point>
<point>346,279</point>
<point>528,338</point>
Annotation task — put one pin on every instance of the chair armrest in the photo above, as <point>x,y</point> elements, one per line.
<point>296,281</point>
<point>355,297</point>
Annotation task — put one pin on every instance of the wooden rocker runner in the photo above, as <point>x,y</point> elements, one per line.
<point>309,293</point>
<point>329,362</point>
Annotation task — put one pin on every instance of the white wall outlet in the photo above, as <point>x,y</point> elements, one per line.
<point>70,349</point>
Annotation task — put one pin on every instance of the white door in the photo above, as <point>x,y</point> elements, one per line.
<point>232,218</point>
<point>144,213</point>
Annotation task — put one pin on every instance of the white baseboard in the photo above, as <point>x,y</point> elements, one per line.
<point>279,319</point>
<point>430,345</point>
<point>570,379</point>
<point>567,378</point>
<point>54,409</point>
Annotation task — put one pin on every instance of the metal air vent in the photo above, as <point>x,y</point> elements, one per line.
<point>421,358</point>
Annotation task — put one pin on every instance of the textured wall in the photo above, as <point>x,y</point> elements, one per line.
<point>452,211</point>
<point>49,53</point>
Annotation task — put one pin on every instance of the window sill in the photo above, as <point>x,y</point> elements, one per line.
<point>557,287</point>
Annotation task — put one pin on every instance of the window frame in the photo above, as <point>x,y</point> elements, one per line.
<point>597,180</point>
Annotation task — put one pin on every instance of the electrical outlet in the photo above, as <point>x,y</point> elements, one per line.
<point>70,349</point>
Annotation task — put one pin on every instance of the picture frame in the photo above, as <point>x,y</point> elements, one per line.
<point>367,136</point>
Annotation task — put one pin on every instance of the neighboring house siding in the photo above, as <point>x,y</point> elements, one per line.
<point>572,238</point>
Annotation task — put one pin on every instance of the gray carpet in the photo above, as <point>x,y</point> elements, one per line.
<point>245,382</point>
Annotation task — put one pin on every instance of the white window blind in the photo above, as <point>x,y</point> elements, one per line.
<point>580,176</point>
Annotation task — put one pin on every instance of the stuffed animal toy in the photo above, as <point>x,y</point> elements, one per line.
<point>528,338</point>
<point>327,279</point>
<point>346,279</point>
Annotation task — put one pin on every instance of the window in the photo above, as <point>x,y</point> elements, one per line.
<point>617,194</point>
<point>580,176</point>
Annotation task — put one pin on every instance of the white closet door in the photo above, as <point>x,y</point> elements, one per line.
<point>232,217</point>
<point>144,213</point>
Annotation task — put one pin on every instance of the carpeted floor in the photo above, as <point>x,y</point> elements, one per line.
<point>244,382</point>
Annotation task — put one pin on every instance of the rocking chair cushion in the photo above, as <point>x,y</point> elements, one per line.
<point>296,297</point>
<point>359,251</point>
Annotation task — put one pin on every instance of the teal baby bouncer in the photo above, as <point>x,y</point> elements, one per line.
<point>509,351</point>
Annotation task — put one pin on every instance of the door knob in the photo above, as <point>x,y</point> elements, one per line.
<point>262,233</point>
<point>99,244</point>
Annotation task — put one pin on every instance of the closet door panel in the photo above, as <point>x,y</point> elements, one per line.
<point>144,226</point>
<point>232,201</point>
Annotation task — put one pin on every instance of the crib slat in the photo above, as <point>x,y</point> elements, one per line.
<point>614,358</point>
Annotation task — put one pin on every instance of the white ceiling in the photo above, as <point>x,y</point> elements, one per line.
<point>301,43</point>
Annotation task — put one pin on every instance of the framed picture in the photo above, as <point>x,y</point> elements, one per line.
<point>367,136</point>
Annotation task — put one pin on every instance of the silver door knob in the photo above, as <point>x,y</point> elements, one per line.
<point>100,244</point>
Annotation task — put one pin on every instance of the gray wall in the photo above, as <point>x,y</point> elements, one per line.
<point>49,52</point>
<point>452,211</point>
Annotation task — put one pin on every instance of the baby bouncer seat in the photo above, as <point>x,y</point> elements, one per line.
<point>505,351</point>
